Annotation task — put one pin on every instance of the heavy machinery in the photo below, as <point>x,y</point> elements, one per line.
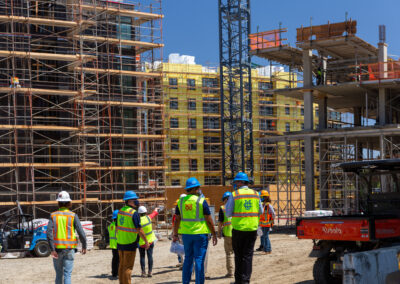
<point>20,233</point>
<point>375,223</point>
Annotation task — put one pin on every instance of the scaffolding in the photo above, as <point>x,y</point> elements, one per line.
<point>81,104</point>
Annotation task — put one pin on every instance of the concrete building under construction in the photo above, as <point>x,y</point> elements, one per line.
<point>81,104</point>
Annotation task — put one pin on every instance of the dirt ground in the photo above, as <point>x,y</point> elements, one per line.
<point>288,263</point>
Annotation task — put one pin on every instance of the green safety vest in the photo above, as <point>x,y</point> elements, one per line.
<point>245,215</point>
<point>126,231</point>
<point>192,217</point>
<point>147,227</point>
<point>227,224</point>
<point>112,232</point>
<point>63,229</point>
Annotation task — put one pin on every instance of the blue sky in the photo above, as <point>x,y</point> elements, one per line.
<point>191,26</point>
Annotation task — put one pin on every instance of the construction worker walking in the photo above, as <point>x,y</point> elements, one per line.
<point>225,231</point>
<point>112,237</point>
<point>62,239</point>
<point>194,222</point>
<point>266,221</point>
<point>244,206</point>
<point>128,231</point>
<point>147,226</point>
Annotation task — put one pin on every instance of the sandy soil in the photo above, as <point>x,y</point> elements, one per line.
<point>287,264</point>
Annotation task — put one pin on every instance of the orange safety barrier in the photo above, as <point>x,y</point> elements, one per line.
<point>266,39</point>
<point>380,71</point>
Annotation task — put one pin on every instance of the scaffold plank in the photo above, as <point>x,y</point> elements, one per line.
<point>45,127</point>
<point>43,21</point>
<point>47,56</point>
<point>122,12</point>
<point>141,44</point>
<point>140,168</point>
<point>127,104</point>
<point>47,91</point>
<point>122,135</point>
<point>47,165</point>
<point>120,72</point>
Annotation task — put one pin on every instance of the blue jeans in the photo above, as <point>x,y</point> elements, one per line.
<point>64,265</point>
<point>149,252</point>
<point>265,239</point>
<point>195,248</point>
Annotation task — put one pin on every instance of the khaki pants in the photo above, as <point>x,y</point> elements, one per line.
<point>229,254</point>
<point>126,262</point>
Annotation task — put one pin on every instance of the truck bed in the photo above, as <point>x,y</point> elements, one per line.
<point>348,228</point>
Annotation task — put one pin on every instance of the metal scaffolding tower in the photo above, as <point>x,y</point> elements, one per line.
<point>236,100</point>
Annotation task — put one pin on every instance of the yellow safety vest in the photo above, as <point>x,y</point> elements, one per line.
<point>147,227</point>
<point>126,231</point>
<point>112,232</point>
<point>227,224</point>
<point>192,217</point>
<point>63,229</point>
<point>246,210</point>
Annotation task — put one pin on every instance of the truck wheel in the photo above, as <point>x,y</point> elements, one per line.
<point>322,272</point>
<point>42,249</point>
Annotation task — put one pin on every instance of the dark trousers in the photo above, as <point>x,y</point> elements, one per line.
<point>114,262</point>
<point>149,252</point>
<point>243,247</point>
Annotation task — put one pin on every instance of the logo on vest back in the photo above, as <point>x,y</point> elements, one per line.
<point>121,220</point>
<point>188,207</point>
<point>247,204</point>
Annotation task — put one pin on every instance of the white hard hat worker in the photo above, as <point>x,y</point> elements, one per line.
<point>63,196</point>
<point>142,210</point>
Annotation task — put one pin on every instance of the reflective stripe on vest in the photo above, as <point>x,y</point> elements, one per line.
<point>126,230</point>
<point>63,229</point>
<point>227,224</point>
<point>112,232</point>
<point>245,216</point>
<point>192,219</point>
<point>266,219</point>
<point>147,227</point>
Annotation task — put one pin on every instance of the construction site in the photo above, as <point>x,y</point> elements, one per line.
<point>90,105</point>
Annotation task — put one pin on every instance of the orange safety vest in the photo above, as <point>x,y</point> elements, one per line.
<point>63,229</point>
<point>266,219</point>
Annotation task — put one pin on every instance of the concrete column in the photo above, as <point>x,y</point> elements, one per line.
<point>382,58</point>
<point>323,113</point>
<point>357,116</point>
<point>382,106</point>
<point>309,172</point>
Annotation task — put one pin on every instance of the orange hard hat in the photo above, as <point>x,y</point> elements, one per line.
<point>264,193</point>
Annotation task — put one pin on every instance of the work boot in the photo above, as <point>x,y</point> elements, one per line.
<point>261,248</point>
<point>143,274</point>
<point>149,274</point>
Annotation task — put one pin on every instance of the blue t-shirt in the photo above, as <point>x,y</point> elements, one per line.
<point>133,246</point>
<point>206,209</point>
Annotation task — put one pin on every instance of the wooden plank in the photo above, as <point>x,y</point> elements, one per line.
<point>46,91</point>
<point>127,136</point>
<point>122,12</point>
<point>114,103</point>
<point>45,22</point>
<point>39,127</point>
<point>120,72</point>
<point>139,168</point>
<point>46,56</point>
<point>147,45</point>
<point>47,165</point>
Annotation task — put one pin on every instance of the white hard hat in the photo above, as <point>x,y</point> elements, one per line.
<point>63,196</point>
<point>182,195</point>
<point>142,209</point>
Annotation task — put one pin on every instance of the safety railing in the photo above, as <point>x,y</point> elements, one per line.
<point>267,39</point>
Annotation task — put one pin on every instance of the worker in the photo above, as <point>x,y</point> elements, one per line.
<point>319,76</point>
<point>225,231</point>
<point>62,238</point>
<point>128,231</point>
<point>245,208</point>
<point>194,222</point>
<point>14,82</point>
<point>112,238</point>
<point>266,221</point>
<point>147,227</point>
<point>260,248</point>
<point>180,257</point>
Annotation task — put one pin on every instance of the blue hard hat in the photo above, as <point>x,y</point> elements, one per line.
<point>192,182</point>
<point>130,195</point>
<point>226,195</point>
<point>115,214</point>
<point>241,177</point>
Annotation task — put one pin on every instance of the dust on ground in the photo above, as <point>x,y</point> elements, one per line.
<point>288,263</point>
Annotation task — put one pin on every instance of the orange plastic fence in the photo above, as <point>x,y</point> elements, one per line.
<point>382,70</point>
<point>266,39</point>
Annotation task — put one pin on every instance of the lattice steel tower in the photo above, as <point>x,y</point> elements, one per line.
<point>235,88</point>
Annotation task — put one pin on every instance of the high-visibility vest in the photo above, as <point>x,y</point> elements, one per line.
<point>63,229</point>
<point>147,227</point>
<point>112,232</point>
<point>245,216</point>
<point>192,217</point>
<point>227,224</point>
<point>266,219</point>
<point>126,231</point>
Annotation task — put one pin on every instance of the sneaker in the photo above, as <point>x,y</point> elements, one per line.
<point>267,252</point>
<point>260,249</point>
<point>143,274</point>
<point>149,274</point>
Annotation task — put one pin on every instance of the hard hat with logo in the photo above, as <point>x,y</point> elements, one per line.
<point>63,196</point>
<point>130,195</point>
<point>115,214</point>
<point>264,193</point>
<point>241,177</point>
<point>142,209</point>
<point>226,195</point>
<point>192,182</point>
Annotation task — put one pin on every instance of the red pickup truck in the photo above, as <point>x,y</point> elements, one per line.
<point>376,225</point>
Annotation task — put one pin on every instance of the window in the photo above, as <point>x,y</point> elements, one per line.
<point>266,148</point>
<point>176,182</point>
<point>211,105</point>
<point>173,103</point>
<point>267,165</point>
<point>174,165</point>
<point>288,166</point>
<point>212,144</point>
<point>174,144</point>
<point>191,104</point>
<point>266,110</point>
<point>264,86</point>
<point>210,85</point>
<point>287,109</point>
<point>208,180</point>
<point>193,144</point>
<point>192,165</point>
<point>173,123</point>
<point>267,124</point>
<point>212,164</point>
<point>191,84</point>
<point>287,127</point>
<point>192,123</point>
<point>211,123</point>
<point>302,126</point>
<point>302,110</point>
<point>173,83</point>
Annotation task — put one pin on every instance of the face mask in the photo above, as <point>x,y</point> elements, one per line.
<point>136,202</point>
<point>234,186</point>
<point>200,193</point>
